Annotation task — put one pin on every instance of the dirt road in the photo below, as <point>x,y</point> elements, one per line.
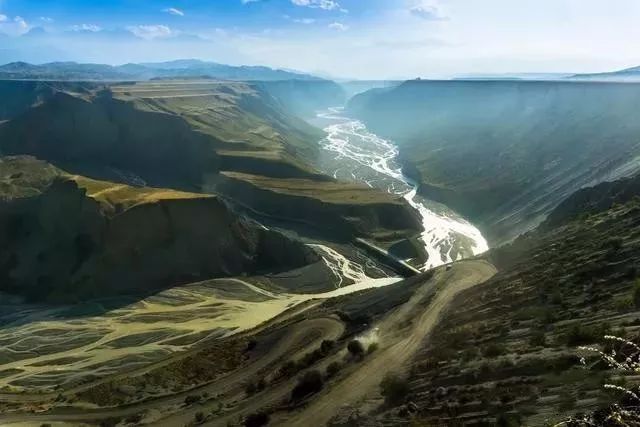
<point>398,344</point>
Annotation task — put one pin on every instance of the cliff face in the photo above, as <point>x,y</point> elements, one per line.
<point>342,210</point>
<point>505,153</point>
<point>165,134</point>
<point>66,239</point>
<point>182,135</point>
<point>100,135</point>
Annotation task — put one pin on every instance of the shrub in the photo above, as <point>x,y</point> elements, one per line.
<point>493,350</point>
<point>333,369</point>
<point>327,345</point>
<point>538,339</point>
<point>625,304</point>
<point>253,387</point>
<point>310,383</point>
<point>259,419</point>
<point>394,389</point>
<point>191,399</point>
<point>250,389</point>
<point>372,347</point>
<point>199,417</point>
<point>355,348</point>
<point>580,335</point>
<point>636,294</point>
<point>289,369</point>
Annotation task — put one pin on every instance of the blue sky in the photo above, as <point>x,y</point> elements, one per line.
<point>342,38</point>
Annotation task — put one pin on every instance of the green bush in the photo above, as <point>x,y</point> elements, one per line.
<point>333,369</point>
<point>581,335</point>
<point>493,350</point>
<point>538,339</point>
<point>636,294</point>
<point>355,348</point>
<point>372,347</point>
<point>259,419</point>
<point>310,383</point>
<point>394,389</point>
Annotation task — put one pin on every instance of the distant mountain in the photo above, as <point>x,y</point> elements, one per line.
<point>189,68</point>
<point>513,76</point>
<point>628,74</point>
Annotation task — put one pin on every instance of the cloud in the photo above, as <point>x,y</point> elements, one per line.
<point>150,32</point>
<point>20,22</point>
<point>16,26</point>
<point>338,26</point>
<point>427,12</point>
<point>173,11</point>
<point>86,27</point>
<point>46,19</point>
<point>319,4</point>
<point>305,21</point>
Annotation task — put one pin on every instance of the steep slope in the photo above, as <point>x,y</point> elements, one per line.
<point>507,349</point>
<point>181,135</point>
<point>505,153</point>
<point>342,210</point>
<point>69,238</point>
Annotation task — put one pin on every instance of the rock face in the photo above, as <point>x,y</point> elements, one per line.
<point>505,153</point>
<point>97,135</point>
<point>169,135</point>
<point>343,210</point>
<point>66,238</point>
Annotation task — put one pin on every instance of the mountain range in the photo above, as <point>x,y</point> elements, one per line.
<point>188,69</point>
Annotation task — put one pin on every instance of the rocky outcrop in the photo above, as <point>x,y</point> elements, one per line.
<point>64,239</point>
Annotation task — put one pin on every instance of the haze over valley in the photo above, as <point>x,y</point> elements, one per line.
<point>319,213</point>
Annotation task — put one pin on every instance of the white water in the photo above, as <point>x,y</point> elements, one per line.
<point>362,156</point>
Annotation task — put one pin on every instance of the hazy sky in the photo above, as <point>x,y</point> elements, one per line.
<point>343,38</point>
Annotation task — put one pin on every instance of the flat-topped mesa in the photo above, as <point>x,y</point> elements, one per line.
<point>66,238</point>
<point>169,134</point>
<point>346,210</point>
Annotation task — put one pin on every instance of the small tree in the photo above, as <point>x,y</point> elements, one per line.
<point>636,294</point>
<point>355,348</point>
<point>394,389</point>
<point>333,369</point>
<point>326,346</point>
<point>538,339</point>
<point>259,419</point>
<point>310,383</point>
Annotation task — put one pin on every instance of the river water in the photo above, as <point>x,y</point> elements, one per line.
<point>352,153</point>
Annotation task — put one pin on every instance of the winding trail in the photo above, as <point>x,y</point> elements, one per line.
<point>397,344</point>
